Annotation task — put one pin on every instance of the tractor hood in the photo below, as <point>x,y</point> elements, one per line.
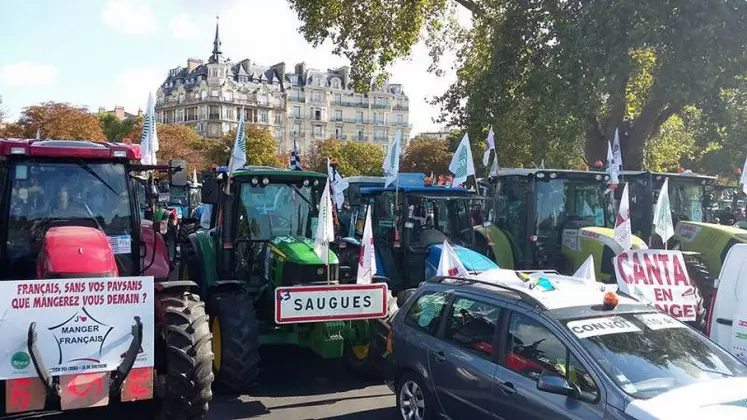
<point>472,261</point>
<point>687,230</point>
<point>607,237</point>
<point>298,250</point>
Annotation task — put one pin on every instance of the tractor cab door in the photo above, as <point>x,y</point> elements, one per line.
<point>384,232</point>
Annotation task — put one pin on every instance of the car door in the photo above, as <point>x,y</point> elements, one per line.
<point>529,346</point>
<point>462,363</point>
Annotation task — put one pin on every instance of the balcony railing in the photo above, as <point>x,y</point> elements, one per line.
<point>379,139</point>
<point>381,106</point>
<point>360,138</point>
<point>163,104</point>
<point>297,98</point>
<point>341,137</point>
<point>401,107</point>
<point>298,134</point>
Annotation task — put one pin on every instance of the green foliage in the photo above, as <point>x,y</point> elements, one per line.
<point>115,129</point>
<point>261,148</point>
<point>426,155</point>
<point>57,121</point>
<point>353,158</point>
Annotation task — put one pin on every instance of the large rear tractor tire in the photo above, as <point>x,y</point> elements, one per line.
<point>704,284</point>
<point>235,329</point>
<point>185,230</point>
<point>187,375</point>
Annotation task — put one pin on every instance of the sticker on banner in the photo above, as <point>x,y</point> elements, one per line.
<point>659,321</point>
<point>121,244</point>
<point>658,277</point>
<point>593,327</point>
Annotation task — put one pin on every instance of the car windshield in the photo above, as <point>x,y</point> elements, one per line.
<point>685,199</point>
<point>647,354</point>
<point>277,209</point>
<point>562,200</point>
<point>46,193</point>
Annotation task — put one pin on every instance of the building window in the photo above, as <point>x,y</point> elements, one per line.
<point>360,135</point>
<point>358,99</point>
<point>231,114</point>
<point>296,129</point>
<point>338,99</point>
<point>228,96</point>
<point>203,94</point>
<point>338,115</point>
<point>318,131</point>
<point>214,92</point>
<point>318,114</point>
<point>296,112</point>
<point>278,134</point>
<point>379,135</point>
<point>263,116</point>
<point>338,133</point>
<point>376,118</point>
<point>359,117</point>
<point>277,118</point>
<point>316,97</point>
<point>400,119</point>
<point>196,95</point>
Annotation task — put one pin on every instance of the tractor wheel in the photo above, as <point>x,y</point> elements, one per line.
<point>187,375</point>
<point>233,322</point>
<point>704,284</point>
<point>186,230</point>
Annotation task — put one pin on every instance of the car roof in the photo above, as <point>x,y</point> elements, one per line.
<point>571,297</point>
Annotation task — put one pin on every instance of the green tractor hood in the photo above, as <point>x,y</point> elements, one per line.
<point>299,250</point>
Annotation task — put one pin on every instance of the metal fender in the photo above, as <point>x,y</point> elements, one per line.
<point>578,244</point>
<point>503,250</point>
<point>204,245</point>
<point>711,241</point>
<point>155,260</point>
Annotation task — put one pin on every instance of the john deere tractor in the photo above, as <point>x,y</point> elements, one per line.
<point>258,257</point>
<point>551,219</point>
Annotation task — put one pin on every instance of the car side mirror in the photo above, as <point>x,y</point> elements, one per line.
<point>210,191</point>
<point>555,384</point>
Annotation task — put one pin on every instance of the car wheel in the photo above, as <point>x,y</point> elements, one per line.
<point>413,399</point>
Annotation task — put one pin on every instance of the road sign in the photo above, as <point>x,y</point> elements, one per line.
<point>298,304</point>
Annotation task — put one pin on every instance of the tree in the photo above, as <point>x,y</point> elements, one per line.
<point>426,154</point>
<point>177,141</point>
<point>115,129</point>
<point>567,71</point>
<point>353,158</point>
<point>57,121</point>
<point>261,147</point>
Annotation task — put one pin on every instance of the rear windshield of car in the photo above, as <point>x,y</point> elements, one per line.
<point>648,354</point>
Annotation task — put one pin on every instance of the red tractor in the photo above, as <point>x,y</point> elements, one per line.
<point>70,222</point>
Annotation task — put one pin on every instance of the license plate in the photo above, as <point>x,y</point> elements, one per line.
<point>299,304</point>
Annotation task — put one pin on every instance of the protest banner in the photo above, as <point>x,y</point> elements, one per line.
<point>83,325</point>
<point>658,277</point>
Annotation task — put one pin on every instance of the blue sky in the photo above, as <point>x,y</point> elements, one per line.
<point>113,52</point>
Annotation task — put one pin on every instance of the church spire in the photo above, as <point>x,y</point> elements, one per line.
<point>217,53</point>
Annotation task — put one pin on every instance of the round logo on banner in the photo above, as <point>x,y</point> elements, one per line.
<point>20,360</point>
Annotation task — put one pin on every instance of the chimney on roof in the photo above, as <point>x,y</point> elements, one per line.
<point>119,112</point>
<point>193,63</point>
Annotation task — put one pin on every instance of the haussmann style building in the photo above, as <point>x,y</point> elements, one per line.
<point>301,103</point>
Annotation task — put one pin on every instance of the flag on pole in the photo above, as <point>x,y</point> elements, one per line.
<point>325,230</point>
<point>490,146</point>
<point>295,159</point>
<point>663,214</point>
<point>367,258</point>
<point>38,133</point>
<point>337,185</point>
<point>462,165</point>
<point>586,271</point>
<point>617,152</point>
<point>238,155</point>
<point>542,165</point>
<point>391,161</point>
<point>623,235</point>
<point>494,166</point>
<point>612,169</point>
<point>149,136</point>
<point>449,264</point>
<point>743,178</point>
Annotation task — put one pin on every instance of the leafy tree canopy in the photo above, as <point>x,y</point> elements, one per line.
<point>56,121</point>
<point>261,148</point>
<point>353,158</point>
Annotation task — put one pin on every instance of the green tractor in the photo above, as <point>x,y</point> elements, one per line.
<point>264,282</point>
<point>551,219</point>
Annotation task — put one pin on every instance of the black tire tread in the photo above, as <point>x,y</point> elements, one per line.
<point>240,340</point>
<point>189,376</point>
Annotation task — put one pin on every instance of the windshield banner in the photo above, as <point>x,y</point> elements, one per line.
<point>660,278</point>
<point>83,325</point>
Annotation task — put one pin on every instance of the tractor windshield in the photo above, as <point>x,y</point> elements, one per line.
<point>559,200</point>
<point>455,217</point>
<point>685,199</point>
<point>277,209</point>
<point>48,193</point>
<point>178,195</point>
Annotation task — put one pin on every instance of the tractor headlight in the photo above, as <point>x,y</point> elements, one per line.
<point>265,181</point>
<point>316,182</point>
<point>255,181</point>
<point>305,182</point>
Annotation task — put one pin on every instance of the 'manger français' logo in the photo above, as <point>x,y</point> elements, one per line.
<point>79,333</point>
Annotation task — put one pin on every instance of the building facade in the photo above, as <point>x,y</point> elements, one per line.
<point>303,104</point>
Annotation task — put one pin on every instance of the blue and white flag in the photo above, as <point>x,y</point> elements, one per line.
<point>238,155</point>
<point>295,159</point>
<point>391,161</point>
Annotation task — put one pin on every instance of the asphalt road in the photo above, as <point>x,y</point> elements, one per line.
<point>294,384</point>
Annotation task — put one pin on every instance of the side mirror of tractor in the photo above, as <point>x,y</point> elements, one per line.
<point>178,172</point>
<point>210,191</point>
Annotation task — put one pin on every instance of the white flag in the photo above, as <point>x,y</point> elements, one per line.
<point>367,259</point>
<point>617,152</point>
<point>149,136</point>
<point>612,168</point>
<point>194,177</point>
<point>586,271</point>
<point>337,186</point>
<point>623,235</point>
<point>462,165</point>
<point>391,161</point>
<point>663,214</point>
<point>325,229</point>
<point>449,264</point>
<point>743,178</point>
<point>238,155</point>
<point>490,146</point>
<point>38,133</point>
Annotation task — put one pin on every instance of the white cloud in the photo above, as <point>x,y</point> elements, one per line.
<point>182,27</point>
<point>132,86</point>
<point>25,73</point>
<point>129,17</point>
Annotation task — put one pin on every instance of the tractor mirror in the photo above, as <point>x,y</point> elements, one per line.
<point>210,191</point>
<point>354,195</point>
<point>178,172</point>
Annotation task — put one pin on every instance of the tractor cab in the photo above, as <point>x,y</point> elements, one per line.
<point>552,219</point>
<point>726,205</point>
<point>410,224</point>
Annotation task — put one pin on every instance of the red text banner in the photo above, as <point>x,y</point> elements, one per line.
<point>658,277</point>
<point>83,325</point>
